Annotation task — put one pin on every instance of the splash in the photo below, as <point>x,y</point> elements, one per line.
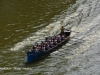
<point>49,30</point>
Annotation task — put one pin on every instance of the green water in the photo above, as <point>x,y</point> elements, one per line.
<point>18,20</point>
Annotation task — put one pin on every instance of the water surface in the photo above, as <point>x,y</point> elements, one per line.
<point>22,23</point>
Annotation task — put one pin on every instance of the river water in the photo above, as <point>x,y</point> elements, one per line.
<point>22,23</point>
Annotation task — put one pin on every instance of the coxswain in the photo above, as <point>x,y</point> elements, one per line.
<point>62,30</point>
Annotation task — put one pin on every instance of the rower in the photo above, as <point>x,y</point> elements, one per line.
<point>34,49</point>
<point>55,42</point>
<point>46,46</point>
<point>58,39</point>
<point>46,39</point>
<point>42,49</point>
<point>51,44</point>
<point>62,37</point>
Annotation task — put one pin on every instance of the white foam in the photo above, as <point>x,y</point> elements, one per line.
<point>85,58</point>
<point>51,29</point>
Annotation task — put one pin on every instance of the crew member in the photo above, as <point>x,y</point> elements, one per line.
<point>62,30</point>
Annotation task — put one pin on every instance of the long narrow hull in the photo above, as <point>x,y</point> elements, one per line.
<point>33,57</point>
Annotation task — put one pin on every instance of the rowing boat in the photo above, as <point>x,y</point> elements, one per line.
<point>34,56</point>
